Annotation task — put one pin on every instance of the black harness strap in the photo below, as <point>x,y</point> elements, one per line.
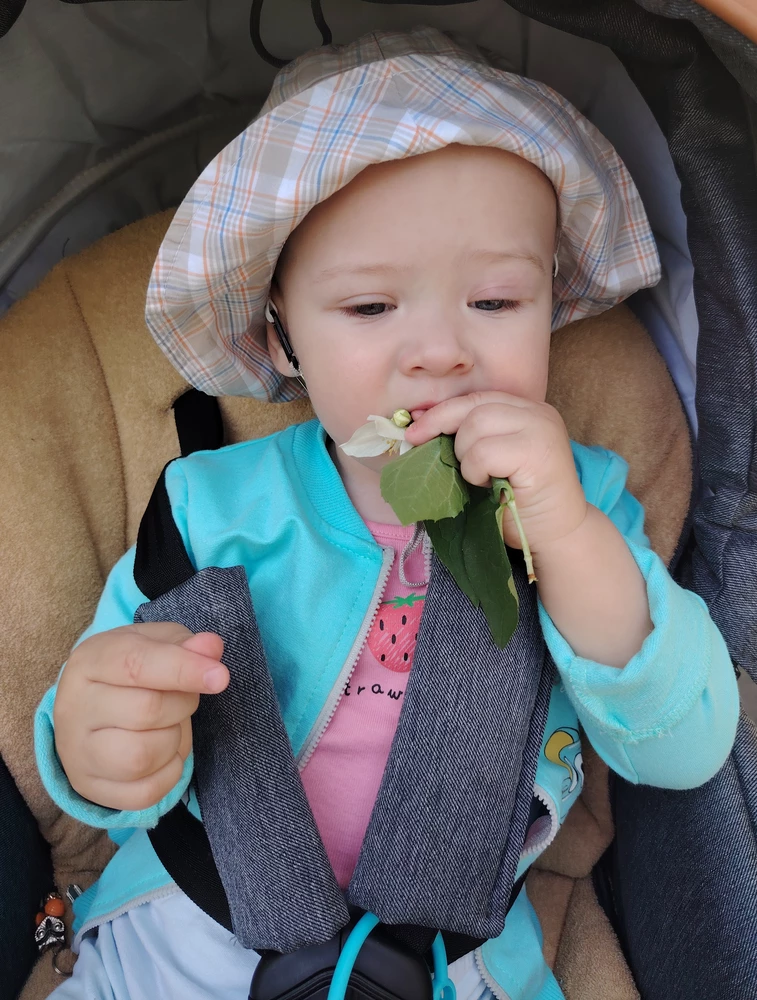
<point>181,843</point>
<point>161,561</point>
<point>199,423</point>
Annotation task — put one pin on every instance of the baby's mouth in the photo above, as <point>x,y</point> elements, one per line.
<point>420,409</point>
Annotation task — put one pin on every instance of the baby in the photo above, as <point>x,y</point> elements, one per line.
<point>416,223</point>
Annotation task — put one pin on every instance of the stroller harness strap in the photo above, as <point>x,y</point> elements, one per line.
<point>445,835</point>
<point>281,888</point>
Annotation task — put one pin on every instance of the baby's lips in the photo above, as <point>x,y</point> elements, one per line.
<point>423,407</point>
<point>421,411</point>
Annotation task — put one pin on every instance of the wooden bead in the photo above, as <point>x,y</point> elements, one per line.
<point>55,907</point>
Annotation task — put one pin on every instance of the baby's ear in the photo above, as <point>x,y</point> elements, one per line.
<point>275,349</point>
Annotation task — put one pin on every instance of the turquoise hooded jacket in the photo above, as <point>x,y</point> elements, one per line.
<point>277,507</point>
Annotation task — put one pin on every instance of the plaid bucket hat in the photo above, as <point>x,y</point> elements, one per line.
<point>331,113</point>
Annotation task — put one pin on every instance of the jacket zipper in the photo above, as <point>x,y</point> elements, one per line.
<point>541,845</point>
<point>549,803</point>
<point>491,983</point>
<point>335,695</point>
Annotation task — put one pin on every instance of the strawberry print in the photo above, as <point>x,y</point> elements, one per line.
<point>395,631</point>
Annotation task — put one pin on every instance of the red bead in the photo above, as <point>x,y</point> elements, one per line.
<point>39,918</point>
<point>55,907</point>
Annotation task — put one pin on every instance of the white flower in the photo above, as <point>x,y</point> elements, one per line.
<point>376,437</point>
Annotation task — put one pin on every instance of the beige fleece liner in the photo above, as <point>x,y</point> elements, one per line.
<point>85,428</point>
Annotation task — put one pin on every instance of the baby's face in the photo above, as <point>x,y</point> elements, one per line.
<point>422,279</point>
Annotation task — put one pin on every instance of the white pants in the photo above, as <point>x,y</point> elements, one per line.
<point>170,948</point>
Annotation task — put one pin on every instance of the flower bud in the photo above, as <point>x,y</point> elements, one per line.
<point>401,418</point>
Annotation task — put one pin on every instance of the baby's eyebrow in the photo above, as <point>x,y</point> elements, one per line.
<point>380,268</point>
<point>368,269</point>
<point>496,256</point>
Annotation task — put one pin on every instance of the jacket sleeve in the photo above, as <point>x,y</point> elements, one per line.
<point>120,599</point>
<point>669,717</point>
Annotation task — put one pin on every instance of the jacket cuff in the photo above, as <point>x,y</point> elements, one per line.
<point>63,795</point>
<point>662,683</point>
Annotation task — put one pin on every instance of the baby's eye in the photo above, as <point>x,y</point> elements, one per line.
<point>368,309</point>
<point>495,305</point>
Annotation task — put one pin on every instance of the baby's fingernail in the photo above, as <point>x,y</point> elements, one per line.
<point>215,679</point>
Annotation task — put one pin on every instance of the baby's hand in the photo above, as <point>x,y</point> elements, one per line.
<point>123,710</point>
<point>502,436</point>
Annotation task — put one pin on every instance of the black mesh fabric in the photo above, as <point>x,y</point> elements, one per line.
<point>26,875</point>
<point>9,11</point>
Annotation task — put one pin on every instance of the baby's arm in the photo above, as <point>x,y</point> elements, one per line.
<point>594,592</point>
<point>113,737</point>
<point>669,716</point>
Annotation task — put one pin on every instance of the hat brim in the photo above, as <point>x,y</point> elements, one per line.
<point>211,280</point>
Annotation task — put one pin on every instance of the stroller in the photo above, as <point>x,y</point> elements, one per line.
<point>109,115</point>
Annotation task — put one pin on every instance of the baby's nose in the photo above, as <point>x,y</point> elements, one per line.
<point>439,351</point>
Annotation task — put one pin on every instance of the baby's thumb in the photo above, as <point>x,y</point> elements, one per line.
<point>206,644</point>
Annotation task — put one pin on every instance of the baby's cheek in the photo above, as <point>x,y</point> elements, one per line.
<point>534,381</point>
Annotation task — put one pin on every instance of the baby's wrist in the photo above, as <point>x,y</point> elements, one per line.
<point>563,540</point>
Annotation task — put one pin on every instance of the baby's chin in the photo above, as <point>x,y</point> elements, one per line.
<point>375,464</point>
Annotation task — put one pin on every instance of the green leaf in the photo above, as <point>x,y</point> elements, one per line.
<point>464,524</point>
<point>498,486</point>
<point>447,541</point>
<point>447,451</point>
<point>421,486</point>
<point>488,566</point>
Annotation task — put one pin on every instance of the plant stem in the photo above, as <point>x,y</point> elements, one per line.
<point>513,508</point>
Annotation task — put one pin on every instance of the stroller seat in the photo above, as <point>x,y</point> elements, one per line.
<point>86,425</point>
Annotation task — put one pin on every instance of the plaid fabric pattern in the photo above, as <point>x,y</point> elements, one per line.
<point>333,112</point>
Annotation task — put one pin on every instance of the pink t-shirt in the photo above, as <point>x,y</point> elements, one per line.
<point>342,777</point>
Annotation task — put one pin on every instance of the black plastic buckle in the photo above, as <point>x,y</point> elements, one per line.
<point>385,970</point>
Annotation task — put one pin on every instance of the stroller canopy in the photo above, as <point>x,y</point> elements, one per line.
<point>111,110</point>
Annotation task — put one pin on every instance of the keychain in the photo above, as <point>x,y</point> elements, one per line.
<point>50,932</point>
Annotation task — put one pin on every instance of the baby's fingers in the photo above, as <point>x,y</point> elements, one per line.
<point>121,755</point>
<point>136,660</point>
<point>206,644</point>
<point>136,709</point>
<point>446,417</point>
<point>496,457</point>
<point>133,795</point>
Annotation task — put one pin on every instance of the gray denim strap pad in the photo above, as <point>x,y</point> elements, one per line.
<point>450,819</point>
<point>449,822</point>
<point>281,888</point>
